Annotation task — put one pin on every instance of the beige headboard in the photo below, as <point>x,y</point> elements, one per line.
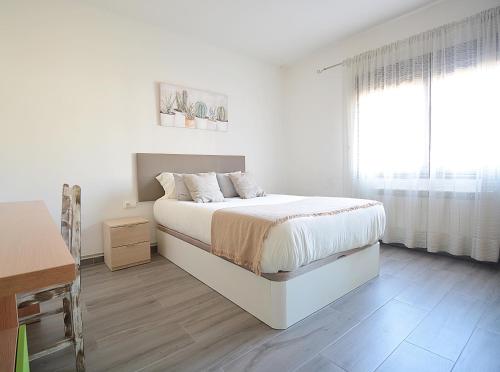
<point>151,165</point>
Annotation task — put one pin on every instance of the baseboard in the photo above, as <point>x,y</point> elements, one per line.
<point>91,260</point>
<point>99,258</point>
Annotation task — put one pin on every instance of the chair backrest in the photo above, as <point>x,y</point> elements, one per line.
<point>70,220</point>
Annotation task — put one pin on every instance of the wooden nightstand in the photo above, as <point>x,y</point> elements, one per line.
<point>126,242</point>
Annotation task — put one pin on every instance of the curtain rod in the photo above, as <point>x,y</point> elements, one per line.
<point>320,70</point>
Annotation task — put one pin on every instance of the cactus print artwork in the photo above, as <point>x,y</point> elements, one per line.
<point>185,107</point>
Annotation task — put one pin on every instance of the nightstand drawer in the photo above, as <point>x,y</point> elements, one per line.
<point>132,254</point>
<point>129,234</point>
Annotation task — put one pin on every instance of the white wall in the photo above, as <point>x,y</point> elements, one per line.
<point>313,103</point>
<point>78,98</point>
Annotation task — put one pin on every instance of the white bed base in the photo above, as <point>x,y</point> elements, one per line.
<point>278,304</point>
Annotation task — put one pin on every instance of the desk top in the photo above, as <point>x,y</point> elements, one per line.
<point>33,254</point>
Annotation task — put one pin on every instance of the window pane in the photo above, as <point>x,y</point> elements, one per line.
<point>394,131</point>
<point>465,120</point>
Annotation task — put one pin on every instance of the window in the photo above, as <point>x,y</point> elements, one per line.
<point>447,126</point>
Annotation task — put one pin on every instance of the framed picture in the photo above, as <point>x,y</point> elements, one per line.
<point>184,107</point>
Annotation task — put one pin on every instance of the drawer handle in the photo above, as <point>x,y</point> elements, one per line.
<point>130,245</point>
<point>133,225</point>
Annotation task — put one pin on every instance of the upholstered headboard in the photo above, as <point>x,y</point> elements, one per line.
<point>151,165</point>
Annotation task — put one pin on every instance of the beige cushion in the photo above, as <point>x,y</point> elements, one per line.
<point>181,190</point>
<point>245,185</point>
<point>203,187</point>
<point>226,185</point>
<point>166,179</point>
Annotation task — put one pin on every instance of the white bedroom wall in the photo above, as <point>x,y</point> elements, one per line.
<point>78,97</point>
<point>313,103</point>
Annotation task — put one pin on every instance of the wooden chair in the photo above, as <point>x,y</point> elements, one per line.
<point>69,292</point>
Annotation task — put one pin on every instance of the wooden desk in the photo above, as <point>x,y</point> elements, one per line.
<point>33,255</point>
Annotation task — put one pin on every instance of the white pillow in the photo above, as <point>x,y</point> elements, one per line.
<point>203,187</point>
<point>245,186</point>
<point>166,179</point>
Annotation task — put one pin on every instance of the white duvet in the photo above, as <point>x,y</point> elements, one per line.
<point>289,245</point>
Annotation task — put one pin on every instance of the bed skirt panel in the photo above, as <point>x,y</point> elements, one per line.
<point>279,304</point>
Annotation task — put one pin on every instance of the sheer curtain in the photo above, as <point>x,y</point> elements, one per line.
<point>423,136</point>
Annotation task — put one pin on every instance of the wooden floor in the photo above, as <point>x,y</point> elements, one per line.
<point>423,313</point>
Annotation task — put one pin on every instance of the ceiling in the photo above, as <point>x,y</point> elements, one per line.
<point>277,31</point>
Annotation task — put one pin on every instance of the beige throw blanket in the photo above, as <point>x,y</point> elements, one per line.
<point>238,233</point>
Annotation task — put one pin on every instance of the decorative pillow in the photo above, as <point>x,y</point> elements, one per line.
<point>166,179</point>
<point>181,190</point>
<point>203,187</point>
<point>245,186</point>
<point>226,185</point>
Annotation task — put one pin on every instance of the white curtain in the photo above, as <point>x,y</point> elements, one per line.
<point>423,136</point>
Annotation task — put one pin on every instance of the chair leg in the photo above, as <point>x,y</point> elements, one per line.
<point>77,325</point>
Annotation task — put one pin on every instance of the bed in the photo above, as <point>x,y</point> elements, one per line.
<point>307,262</point>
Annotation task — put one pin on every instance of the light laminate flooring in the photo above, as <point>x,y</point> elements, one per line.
<point>424,312</point>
